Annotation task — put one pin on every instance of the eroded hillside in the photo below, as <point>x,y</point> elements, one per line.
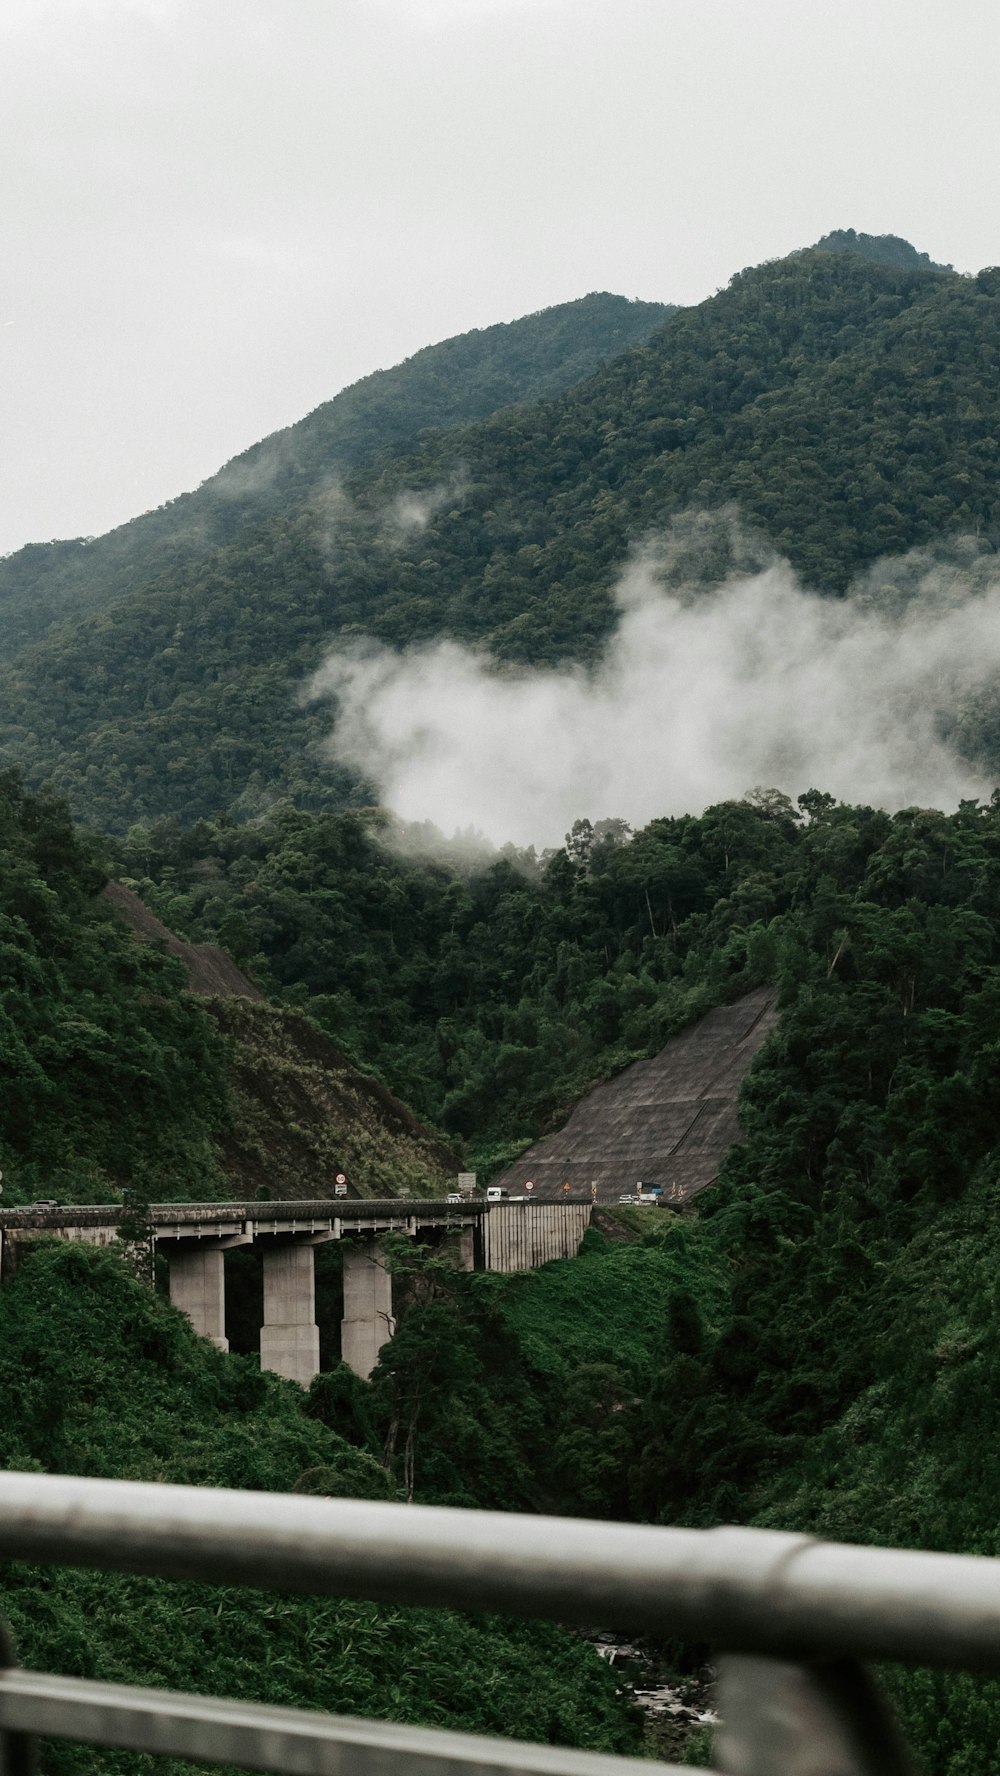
<point>299,1112</point>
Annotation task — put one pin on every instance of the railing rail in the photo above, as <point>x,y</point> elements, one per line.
<point>293,1740</point>
<point>789,1615</point>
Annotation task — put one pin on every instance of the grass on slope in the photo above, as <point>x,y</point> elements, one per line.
<point>611,1307</point>
<point>301,1113</point>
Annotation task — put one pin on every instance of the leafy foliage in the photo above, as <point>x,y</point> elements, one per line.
<point>90,1021</point>
<point>816,1351</point>
<point>100,1377</point>
<point>489,994</point>
<point>847,408</point>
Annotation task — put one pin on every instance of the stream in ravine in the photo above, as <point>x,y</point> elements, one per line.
<point>675,1707</point>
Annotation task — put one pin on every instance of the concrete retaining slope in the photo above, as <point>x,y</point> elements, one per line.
<point>666,1121</point>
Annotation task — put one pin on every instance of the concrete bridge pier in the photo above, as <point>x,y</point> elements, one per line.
<point>289,1336</point>
<point>507,1235</point>
<point>198,1287</point>
<point>368,1321</point>
<point>460,1248</point>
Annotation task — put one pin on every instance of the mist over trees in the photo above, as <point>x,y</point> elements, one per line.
<point>846,409</point>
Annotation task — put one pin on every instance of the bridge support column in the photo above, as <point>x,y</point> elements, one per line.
<point>198,1288</point>
<point>461,1248</point>
<point>289,1337</point>
<point>367,1323</point>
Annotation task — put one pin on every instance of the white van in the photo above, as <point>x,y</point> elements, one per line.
<point>494,1194</point>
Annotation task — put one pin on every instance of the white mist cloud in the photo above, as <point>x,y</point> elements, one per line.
<point>412,509</point>
<point>698,695</point>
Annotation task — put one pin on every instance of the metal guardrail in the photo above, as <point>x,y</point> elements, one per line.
<point>789,1617</point>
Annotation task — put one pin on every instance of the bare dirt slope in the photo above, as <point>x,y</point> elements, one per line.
<point>210,970</point>
<point>666,1121</point>
<point>300,1111</point>
<point>303,1113</point>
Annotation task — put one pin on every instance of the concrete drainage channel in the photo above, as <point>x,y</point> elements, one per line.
<point>675,1710</point>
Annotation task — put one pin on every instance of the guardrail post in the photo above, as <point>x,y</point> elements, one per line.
<point>18,1755</point>
<point>823,1719</point>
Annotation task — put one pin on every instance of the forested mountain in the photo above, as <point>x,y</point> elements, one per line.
<point>848,409</point>
<point>441,387</point>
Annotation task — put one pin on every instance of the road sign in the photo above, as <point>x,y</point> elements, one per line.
<point>529,1183</point>
<point>567,1185</point>
<point>593,1190</point>
<point>340,1185</point>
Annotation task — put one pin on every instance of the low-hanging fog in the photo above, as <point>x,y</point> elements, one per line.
<point>698,696</point>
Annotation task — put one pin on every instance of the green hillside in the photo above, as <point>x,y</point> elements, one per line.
<point>847,409</point>
<point>814,1350</point>
<point>443,386</point>
<point>116,1077</point>
<point>112,1074</point>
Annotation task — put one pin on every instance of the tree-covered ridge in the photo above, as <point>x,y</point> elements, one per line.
<point>881,249</point>
<point>847,409</point>
<point>440,387</point>
<point>491,993</point>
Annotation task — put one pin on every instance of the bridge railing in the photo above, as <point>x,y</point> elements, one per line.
<point>789,1619</point>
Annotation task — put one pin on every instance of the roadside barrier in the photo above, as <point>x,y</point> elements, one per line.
<point>789,1619</point>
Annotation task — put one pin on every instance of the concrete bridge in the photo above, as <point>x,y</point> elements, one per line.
<point>194,1238</point>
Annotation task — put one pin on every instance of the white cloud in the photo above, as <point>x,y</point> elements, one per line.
<point>698,696</point>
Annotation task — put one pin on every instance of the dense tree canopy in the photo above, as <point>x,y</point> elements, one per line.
<point>847,409</point>
<point>111,1074</point>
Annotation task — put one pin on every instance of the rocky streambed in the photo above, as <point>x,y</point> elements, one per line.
<point>678,1709</point>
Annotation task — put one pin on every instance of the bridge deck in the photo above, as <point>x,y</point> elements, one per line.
<point>263,1216</point>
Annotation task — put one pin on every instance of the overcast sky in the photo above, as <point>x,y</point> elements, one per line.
<point>217,213</point>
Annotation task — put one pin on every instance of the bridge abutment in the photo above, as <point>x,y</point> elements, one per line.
<point>368,1321</point>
